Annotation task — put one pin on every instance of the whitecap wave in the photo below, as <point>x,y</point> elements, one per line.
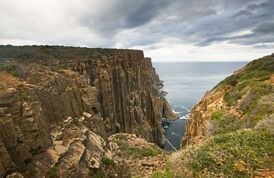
<point>186,117</point>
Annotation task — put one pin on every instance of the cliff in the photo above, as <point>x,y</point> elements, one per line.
<point>240,101</point>
<point>59,105</point>
<point>230,131</point>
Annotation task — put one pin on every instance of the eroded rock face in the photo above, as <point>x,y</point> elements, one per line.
<point>56,115</point>
<point>127,90</point>
<point>201,114</point>
<point>23,128</point>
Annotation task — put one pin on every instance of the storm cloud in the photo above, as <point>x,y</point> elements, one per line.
<point>145,24</point>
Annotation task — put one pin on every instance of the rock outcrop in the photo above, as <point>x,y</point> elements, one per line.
<point>129,99</point>
<point>59,105</point>
<point>143,157</point>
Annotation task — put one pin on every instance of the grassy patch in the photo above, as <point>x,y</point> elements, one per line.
<point>137,151</point>
<point>155,91</point>
<point>22,93</point>
<point>35,79</point>
<point>76,122</point>
<point>97,173</point>
<point>251,77</point>
<point>162,174</point>
<point>11,68</point>
<point>140,152</point>
<point>238,154</point>
<point>223,124</point>
<point>107,161</point>
<point>53,172</point>
<point>217,115</point>
<point>121,136</point>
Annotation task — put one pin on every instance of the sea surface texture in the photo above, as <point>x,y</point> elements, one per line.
<point>186,83</point>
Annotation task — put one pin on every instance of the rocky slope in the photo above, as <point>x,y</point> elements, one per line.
<point>58,105</point>
<point>143,157</point>
<point>241,100</point>
<point>230,131</point>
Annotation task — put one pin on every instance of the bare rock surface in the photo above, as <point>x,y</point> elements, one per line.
<point>59,105</point>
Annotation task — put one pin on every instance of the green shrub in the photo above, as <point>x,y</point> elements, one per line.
<point>53,172</point>
<point>140,152</point>
<point>155,91</point>
<point>223,124</point>
<point>136,151</point>
<point>11,68</point>
<point>35,79</point>
<point>76,122</point>
<point>97,173</point>
<point>217,115</point>
<point>238,154</point>
<point>162,174</point>
<point>22,92</point>
<point>251,77</point>
<point>107,161</point>
<point>121,136</point>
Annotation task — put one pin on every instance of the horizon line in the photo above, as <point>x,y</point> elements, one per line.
<point>196,61</point>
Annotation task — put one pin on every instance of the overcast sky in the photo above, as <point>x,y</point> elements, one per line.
<point>167,30</point>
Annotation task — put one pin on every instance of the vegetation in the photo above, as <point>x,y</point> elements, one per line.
<point>155,91</point>
<point>222,123</point>
<point>36,79</point>
<point>22,92</point>
<point>249,92</point>
<point>238,154</point>
<point>62,53</point>
<point>139,151</point>
<point>97,173</point>
<point>251,79</point>
<point>240,141</point>
<point>107,161</point>
<point>53,172</point>
<point>13,68</point>
<point>76,122</point>
<point>162,174</point>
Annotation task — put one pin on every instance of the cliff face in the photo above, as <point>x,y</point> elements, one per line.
<point>58,106</point>
<point>127,90</point>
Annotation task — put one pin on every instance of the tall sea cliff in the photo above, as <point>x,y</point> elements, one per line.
<point>59,105</point>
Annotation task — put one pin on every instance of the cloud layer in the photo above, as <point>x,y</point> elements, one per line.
<point>165,29</point>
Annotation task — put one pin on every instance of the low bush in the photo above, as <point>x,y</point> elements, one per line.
<point>53,172</point>
<point>162,174</point>
<point>107,161</point>
<point>238,154</point>
<point>97,173</point>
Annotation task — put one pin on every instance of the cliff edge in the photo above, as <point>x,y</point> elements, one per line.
<point>59,105</point>
<point>230,131</point>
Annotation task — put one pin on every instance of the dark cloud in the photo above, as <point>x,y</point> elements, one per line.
<point>143,22</point>
<point>124,14</point>
<point>252,19</point>
<point>145,12</point>
<point>242,13</point>
<point>265,27</point>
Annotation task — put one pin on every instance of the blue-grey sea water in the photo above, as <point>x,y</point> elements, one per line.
<point>186,83</point>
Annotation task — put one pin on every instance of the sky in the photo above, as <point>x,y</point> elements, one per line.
<point>166,30</point>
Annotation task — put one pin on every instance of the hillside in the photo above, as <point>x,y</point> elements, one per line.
<point>230,131</point>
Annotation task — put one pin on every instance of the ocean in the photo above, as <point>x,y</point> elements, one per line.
<point>186,83</point>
